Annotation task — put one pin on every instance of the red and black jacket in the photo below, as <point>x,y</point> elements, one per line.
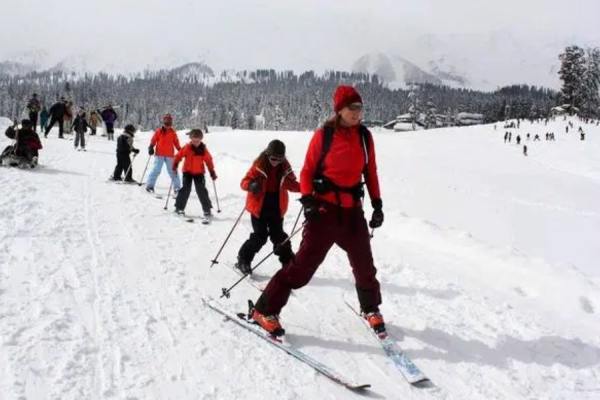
<point>343,165</point>
<point>279,178</point>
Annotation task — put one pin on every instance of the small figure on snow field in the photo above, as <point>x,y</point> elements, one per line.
<point>33,107</point>
<point>195,156</point>
<point>44,116</point>
<point>93,122</point>
<point>109,116</point>
<point>57,115</point>
<point>124,147</point>
<point>162,146</point>
<point>80,126</point>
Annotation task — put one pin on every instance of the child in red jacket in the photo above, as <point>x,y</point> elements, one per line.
<point>196,156</point>
<point>268,182</point>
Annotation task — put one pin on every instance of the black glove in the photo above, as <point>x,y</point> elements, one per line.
<point>377,216</point>
<point>135,151</point>
<point>151,150</point>
<point>310,206</point>
<point>254,187</point>
<point>213,175</point>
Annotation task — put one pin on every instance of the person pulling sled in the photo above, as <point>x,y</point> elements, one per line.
<point>25,151</point>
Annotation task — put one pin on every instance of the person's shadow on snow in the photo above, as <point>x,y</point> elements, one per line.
<point>386,287</point>
<point>546,350</point>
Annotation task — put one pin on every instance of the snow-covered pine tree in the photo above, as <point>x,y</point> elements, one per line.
<point>316,109</point>
<point>533,112</point>
<point>235,119</point>
<point>278,118</point>
<point>413,109</point>
<point>250,122</point>
<point>591,81</point>
<point>572,71</point>
<point>430,115</point>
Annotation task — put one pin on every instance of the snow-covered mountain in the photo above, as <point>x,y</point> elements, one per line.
<point>398,72</point>
<point>196,70</point>
<point>13,68</point>
<point>478,61</point>
<point>482,61</point>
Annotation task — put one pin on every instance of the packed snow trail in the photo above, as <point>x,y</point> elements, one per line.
<point>488,263</point>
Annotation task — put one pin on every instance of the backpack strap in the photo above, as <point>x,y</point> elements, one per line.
<point>326,145</point>
<point>365,136</point>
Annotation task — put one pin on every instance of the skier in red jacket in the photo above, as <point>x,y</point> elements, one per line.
<point>196,155</point>
<point>163,144</point>
<point>267,183</point>
<point>338,155</point>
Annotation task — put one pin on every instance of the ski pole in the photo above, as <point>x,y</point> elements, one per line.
<point>297,218</point>
<point>214,260</point>
<point>372,232</point>
<point>168,195</point>
<point>216,197</point>
<point>130,165</point>
<point>144,173</point>
<point>227,292</point>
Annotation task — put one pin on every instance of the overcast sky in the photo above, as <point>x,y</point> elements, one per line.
<point>295,34</point>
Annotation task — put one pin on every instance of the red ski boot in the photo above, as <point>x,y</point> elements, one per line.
<point>269,323</point>
<point>375,320</point>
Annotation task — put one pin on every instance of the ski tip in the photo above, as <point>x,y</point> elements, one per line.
<point>423,383</point>
<point>359,388</point>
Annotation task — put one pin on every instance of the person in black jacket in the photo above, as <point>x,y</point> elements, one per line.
<point>57,114</point>
<point>80,126</point>
<point>124,147</point>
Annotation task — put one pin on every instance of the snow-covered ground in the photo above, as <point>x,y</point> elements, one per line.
<point>488,261</point>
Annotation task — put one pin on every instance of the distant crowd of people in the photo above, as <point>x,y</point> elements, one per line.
<point>69,120</point>
<point>550,136</point>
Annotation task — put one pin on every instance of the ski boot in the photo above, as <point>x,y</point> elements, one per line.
<point>269,323</point>
<point>243,266</point>
<point>375,320</point>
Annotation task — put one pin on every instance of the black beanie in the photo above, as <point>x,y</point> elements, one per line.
<point>130,129</point>
<point>276,148</point>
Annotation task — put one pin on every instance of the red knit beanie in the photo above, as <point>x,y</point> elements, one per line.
<point>344,96</point>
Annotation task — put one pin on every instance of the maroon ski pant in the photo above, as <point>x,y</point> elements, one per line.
<point>345,227</point>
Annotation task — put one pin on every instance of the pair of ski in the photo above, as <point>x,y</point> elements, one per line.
<point>205,220</point>
<point>120,181</point>
<point>401,361</point>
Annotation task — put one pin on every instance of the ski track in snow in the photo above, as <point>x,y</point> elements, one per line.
<point>100,288</point>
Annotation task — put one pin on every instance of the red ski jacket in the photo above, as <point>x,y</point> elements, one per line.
<point>343,165</point>
<point>165,139</point>
<point>195,158</point>
<point>265,174</point>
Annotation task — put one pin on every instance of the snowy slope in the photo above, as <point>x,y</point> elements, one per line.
<point>488,263</point>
